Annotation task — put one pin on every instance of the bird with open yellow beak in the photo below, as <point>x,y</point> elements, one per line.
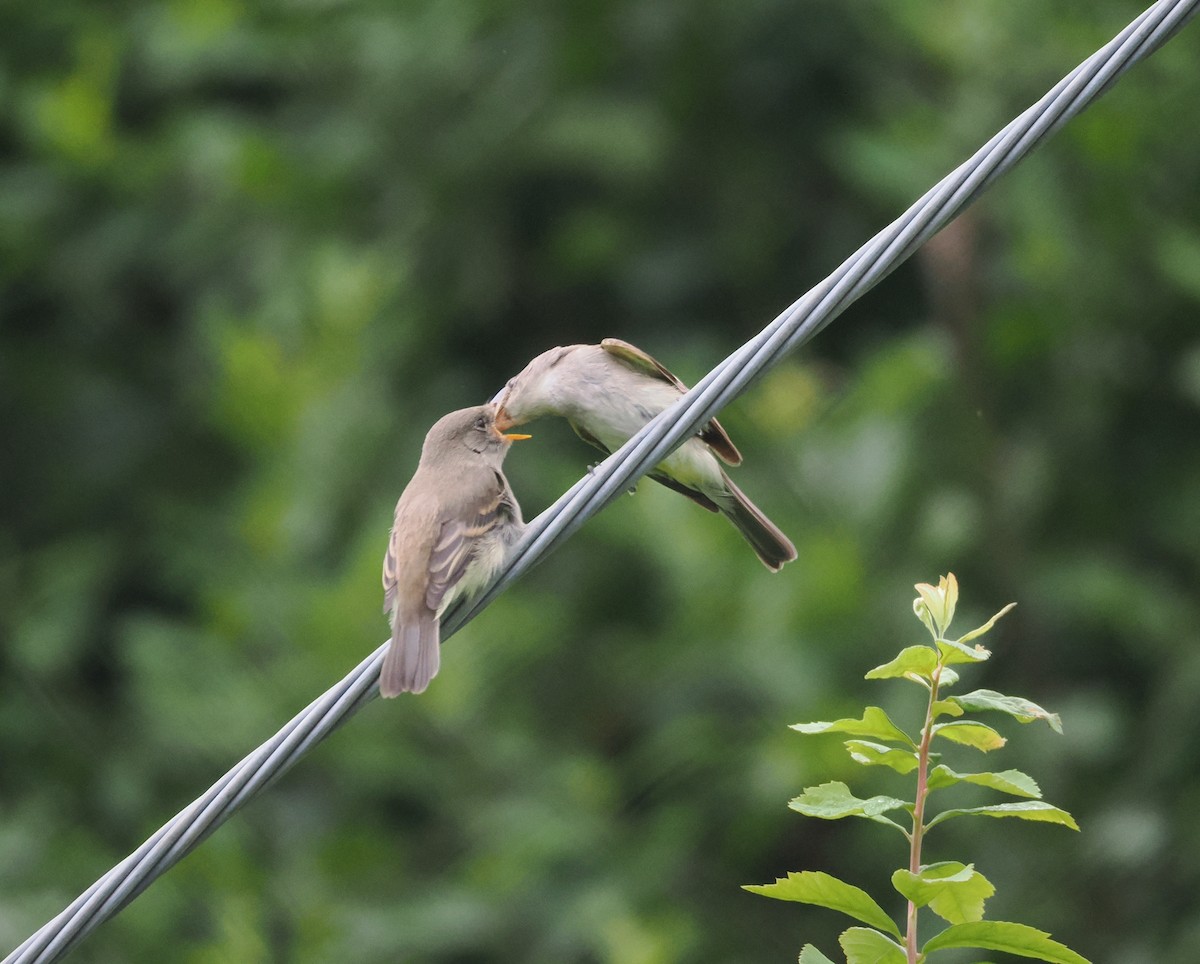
<point>454,526</point>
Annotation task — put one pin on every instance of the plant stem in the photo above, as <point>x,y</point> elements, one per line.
<point>918,831</point>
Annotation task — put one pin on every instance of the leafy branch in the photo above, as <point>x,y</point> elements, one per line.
<point>954,891</point>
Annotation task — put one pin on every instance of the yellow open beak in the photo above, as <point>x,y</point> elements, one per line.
<point>502,421</point>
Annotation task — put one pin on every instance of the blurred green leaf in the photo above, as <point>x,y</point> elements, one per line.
<point>814,887</point>
<point>946,707</point>
<point>919,661</point>
<point>1007,781</point>
<point>810,955</point>
<point>935,605</point>
<point>833,800</point>
<point>864,946</point>
<point>969,733</point>
<point>1034,810</point>
<point>1016,939</point>
<point>954,891</point>
<point>1020,709</point>
<point>876,754</point>
<point>874,722</point>
<point>986,627</point>
<point>955,652</point>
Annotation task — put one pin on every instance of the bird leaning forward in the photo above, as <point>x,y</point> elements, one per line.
<point>455,524</point>
<point>608,392</point>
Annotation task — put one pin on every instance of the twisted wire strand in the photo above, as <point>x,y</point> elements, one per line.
<point>803,319</point>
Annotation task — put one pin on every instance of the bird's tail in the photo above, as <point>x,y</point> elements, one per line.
<point>412,659</point>
<point>770,545</point>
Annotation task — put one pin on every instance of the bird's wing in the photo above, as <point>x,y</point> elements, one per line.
<point>391,563</point>
<point>632,355</point>
<point>588,437</point>
<point>407,539</point>
<point>459,538</point>
<point>695,495</point>
<point>713,434</point>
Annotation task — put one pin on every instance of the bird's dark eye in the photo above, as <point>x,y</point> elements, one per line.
<point>481,423</point>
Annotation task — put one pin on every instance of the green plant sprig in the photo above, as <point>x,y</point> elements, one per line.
<point>954,891</point>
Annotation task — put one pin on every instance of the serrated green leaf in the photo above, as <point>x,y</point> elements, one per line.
<point>874,723</point>
<point>947,678</point>
<point>810,955</point>
<point>876,754</point>
<point>995,935</point>
<point>955,892</point>
<point>863,946</point>
<point>912,661</point>
<point>1017,707</point>
<point>1013,782</point>
<point>946,707</point>
<point>832,801</point>
<point>814,887</point>
<point>955,652</point>
<point>969,733</point>
<point>986,627</point>
<point>1035,810</point>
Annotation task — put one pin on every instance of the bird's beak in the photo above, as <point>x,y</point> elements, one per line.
<point>503,421</point>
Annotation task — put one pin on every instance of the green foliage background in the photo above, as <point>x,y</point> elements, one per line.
<point>249,252</point>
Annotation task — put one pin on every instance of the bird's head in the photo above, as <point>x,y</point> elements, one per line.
<point>535,391</point>
<point>474,428</point>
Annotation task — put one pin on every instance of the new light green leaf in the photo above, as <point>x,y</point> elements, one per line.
<point>1020,709</point>
<point>994,935</point>
<point>936,603</point>
<point>955,652</point>
<point>874,723</point>
<point>986,627</point>
<point>1035,810</point>
<point>912,661</point>
<point>922,612</point>
<point>863,946</point>
<point>876,754</point>
<point>810,955</point>
<point>947,678</point>
<point>832,801</point>
<point>946,707</point>
<point>955,892</point>
<point>979,735</point>
<point>814,887</point>
<point>1013,782</point>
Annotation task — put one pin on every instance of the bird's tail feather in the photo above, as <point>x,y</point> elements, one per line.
<point>412,659</point>
<point>765,538</point>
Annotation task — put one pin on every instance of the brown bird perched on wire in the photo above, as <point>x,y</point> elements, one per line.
<point>608,392</point>
<point>455,523</point>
